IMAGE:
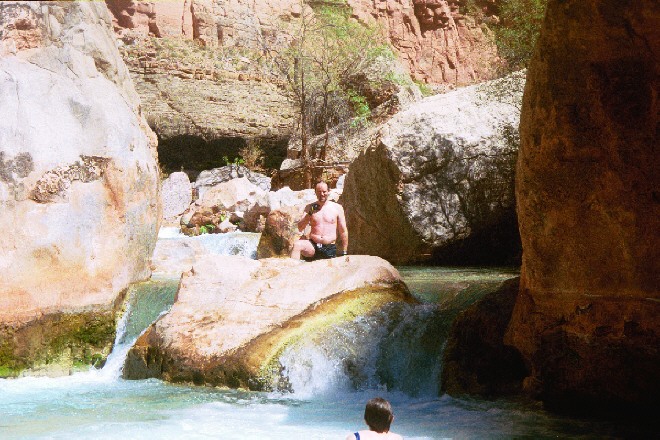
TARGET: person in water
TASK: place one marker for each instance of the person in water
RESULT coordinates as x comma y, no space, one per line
378,416
327,220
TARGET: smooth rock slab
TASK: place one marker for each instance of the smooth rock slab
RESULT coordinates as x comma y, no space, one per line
234,316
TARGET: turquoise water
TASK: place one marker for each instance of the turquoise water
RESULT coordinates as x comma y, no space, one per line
394,354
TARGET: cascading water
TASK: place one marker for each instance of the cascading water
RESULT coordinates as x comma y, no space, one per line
398,348
232,243
146,302
393,353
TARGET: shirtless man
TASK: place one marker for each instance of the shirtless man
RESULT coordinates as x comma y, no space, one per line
327,219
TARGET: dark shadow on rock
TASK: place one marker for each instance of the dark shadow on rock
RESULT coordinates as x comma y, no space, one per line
497,244
475,360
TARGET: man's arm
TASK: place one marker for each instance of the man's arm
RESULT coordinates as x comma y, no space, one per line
342,231
304,221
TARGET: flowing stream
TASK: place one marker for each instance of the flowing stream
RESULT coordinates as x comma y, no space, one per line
395,353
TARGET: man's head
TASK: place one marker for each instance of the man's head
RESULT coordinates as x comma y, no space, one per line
378,414
322,192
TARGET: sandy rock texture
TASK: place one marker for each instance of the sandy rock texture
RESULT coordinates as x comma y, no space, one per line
233,316
78,176
434,38
438,178
586,319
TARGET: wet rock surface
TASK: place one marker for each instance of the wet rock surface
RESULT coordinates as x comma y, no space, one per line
234,316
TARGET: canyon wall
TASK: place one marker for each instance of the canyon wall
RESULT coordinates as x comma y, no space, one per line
586,318
435,38
78,184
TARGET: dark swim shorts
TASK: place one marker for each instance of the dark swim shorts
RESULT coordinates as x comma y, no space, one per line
322,251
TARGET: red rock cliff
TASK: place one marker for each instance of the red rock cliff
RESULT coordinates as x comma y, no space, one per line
434,38
586,318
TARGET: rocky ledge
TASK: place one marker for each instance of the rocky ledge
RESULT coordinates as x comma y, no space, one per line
233,316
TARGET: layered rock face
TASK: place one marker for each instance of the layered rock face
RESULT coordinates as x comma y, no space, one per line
586,318
437,179
78,182
234,316
434,38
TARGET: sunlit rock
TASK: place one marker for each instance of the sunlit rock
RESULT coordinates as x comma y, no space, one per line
176,195
234,316
79,200
280,232
436,182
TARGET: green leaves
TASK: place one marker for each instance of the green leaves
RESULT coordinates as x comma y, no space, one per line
518,30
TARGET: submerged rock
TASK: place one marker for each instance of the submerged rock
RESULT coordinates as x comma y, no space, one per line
586,318
78,183
234,316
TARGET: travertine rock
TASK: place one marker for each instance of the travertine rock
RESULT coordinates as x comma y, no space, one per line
273,200
209,178
233,316
78,177
435,175
586,318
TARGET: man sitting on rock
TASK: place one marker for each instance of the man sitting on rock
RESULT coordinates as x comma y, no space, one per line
326,219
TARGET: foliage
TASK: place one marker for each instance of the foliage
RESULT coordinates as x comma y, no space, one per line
235,162
424,88
360,107
252,154
207,229
518,30
326,46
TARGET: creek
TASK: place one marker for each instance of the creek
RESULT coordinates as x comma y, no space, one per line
395,354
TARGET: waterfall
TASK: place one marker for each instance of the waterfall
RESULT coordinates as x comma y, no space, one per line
231,243
145,303
398,348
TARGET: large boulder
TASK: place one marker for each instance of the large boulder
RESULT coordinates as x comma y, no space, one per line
78,184
234,316
437,180
176,195
586,318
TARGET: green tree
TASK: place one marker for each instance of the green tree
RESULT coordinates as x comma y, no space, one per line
518,30
326,46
